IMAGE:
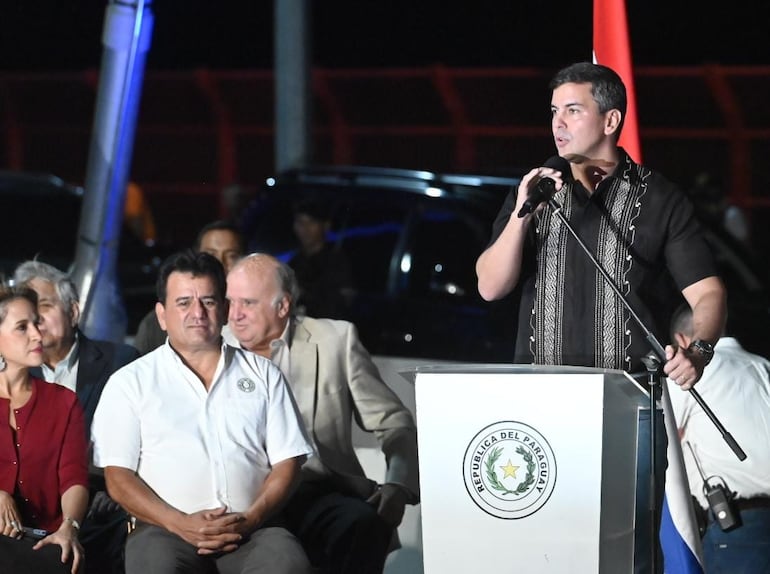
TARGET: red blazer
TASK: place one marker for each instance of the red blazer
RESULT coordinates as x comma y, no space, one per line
49,454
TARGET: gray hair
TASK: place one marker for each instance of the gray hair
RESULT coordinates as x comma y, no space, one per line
65,288
285,278
287,281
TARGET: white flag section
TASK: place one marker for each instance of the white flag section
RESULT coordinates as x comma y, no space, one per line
679,536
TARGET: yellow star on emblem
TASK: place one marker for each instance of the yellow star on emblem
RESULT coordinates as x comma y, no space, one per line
509,470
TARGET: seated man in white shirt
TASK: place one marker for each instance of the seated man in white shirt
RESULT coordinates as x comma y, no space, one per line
201,442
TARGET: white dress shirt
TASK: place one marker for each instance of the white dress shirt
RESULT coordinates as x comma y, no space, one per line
66,371
197,449
736,386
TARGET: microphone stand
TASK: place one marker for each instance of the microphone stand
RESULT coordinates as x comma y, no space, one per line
653,364
653,361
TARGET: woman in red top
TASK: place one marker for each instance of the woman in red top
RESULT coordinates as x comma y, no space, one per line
43,459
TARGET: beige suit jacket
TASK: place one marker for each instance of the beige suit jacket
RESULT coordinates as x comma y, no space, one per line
335,383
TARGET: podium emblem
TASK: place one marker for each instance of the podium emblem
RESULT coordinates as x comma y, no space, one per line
509,470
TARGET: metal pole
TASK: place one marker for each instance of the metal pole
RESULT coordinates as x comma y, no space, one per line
292,84
126,40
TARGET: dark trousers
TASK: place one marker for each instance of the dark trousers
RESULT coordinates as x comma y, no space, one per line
271,550
742,550
340,533
17,557
643,517
103,538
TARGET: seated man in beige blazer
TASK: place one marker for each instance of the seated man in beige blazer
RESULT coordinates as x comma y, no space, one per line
345,521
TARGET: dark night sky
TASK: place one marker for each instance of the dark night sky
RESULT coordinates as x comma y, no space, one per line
56,34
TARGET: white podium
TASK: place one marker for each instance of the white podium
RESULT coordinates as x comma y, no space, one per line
527,469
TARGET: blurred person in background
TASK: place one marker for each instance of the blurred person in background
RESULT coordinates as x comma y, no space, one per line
713,205
323,272
43,460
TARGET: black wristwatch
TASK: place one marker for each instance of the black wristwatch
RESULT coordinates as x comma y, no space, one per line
704,348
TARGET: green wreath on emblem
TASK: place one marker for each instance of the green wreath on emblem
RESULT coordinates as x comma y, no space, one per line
524,485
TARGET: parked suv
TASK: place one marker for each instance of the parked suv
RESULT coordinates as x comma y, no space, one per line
413,238
40,217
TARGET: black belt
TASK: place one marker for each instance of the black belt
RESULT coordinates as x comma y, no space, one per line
752,503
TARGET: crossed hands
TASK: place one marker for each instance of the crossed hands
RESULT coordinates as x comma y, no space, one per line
215,530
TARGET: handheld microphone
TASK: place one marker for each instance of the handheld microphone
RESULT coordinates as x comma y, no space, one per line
543,191
544,188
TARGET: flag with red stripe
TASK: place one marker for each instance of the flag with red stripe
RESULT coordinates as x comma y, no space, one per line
612,48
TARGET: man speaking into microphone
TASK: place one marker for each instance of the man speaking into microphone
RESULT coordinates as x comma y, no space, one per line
638,225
